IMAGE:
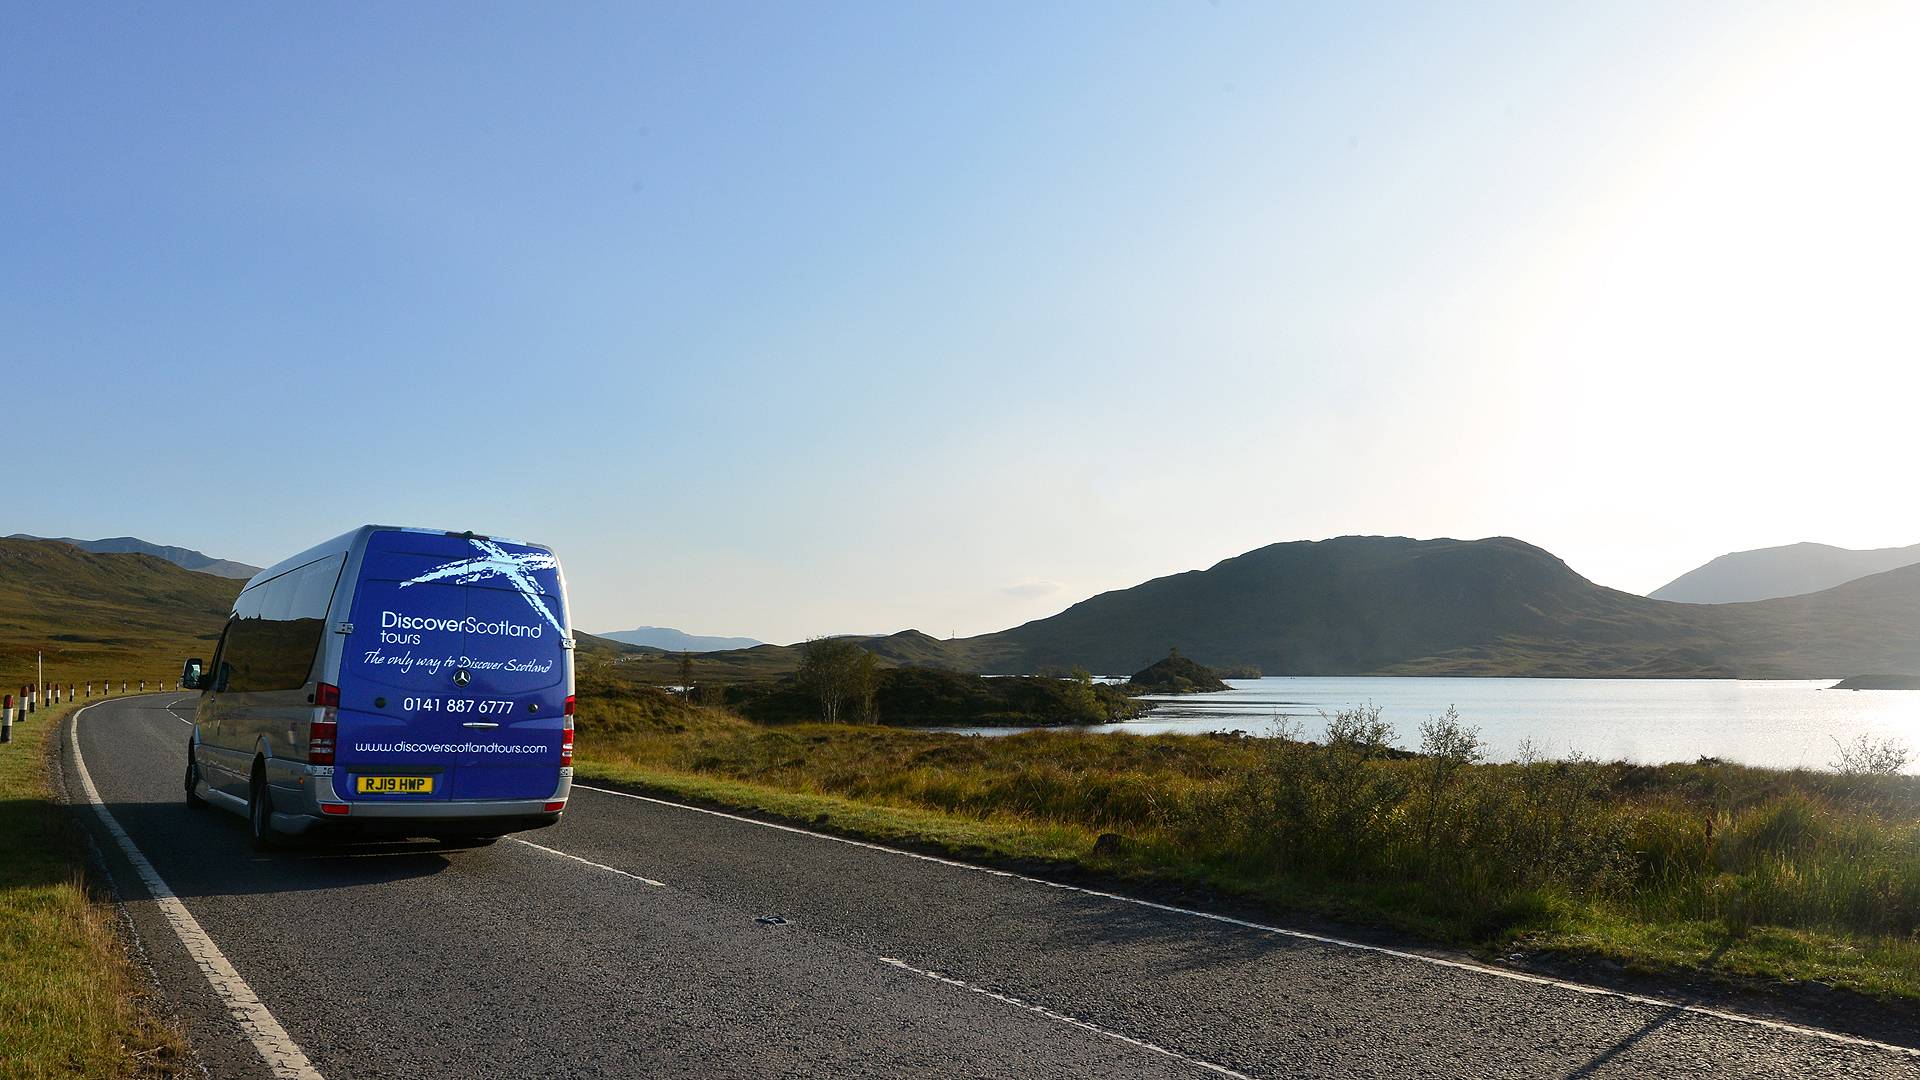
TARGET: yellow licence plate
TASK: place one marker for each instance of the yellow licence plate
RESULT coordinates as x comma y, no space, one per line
393,785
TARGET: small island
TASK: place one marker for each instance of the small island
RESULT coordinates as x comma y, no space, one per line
1878,682
1175,675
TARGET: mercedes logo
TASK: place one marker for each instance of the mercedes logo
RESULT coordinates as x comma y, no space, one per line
462,677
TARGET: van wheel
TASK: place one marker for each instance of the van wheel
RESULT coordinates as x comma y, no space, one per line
193,781
260,813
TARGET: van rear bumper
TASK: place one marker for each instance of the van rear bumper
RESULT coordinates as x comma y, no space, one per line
312,796
426,819
452,811
494,822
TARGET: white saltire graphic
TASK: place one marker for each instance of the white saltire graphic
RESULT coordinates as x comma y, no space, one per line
496,561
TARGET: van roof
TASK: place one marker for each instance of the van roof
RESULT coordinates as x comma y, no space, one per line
345,543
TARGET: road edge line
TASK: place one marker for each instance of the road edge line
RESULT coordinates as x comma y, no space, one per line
283,1056
1301,935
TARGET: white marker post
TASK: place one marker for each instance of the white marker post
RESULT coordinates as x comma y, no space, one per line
6,718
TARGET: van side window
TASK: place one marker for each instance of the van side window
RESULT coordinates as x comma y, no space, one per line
278,626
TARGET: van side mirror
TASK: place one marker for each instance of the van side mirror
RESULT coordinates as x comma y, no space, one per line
190,676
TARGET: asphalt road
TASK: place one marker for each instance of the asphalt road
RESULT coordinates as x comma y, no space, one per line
635,941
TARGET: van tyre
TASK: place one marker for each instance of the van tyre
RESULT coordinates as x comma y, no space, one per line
260,813
193,780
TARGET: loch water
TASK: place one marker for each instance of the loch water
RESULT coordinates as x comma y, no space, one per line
1775,723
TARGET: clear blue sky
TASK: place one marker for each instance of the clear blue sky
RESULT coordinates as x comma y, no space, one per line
783,320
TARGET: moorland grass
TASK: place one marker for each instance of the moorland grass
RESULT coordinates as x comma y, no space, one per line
70,1003
1762,874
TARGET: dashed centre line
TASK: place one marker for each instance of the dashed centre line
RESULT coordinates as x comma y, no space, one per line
1042,1010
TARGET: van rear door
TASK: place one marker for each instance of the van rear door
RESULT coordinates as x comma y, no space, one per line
454,681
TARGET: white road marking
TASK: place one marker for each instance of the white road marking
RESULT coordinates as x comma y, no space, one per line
283,1056
1042,1010
589,862
1301,935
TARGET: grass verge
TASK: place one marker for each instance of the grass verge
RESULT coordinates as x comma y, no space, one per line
71,1004
1760,879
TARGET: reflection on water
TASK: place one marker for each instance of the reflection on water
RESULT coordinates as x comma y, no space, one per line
1785,724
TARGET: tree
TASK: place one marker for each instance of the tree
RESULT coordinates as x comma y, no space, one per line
838,673
1082,701
1866,756
1446,747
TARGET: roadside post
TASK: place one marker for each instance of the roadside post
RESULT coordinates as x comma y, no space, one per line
123,686
26,694
143,686
53,695
6,718
89,688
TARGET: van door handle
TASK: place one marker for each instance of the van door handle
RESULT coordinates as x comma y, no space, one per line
480,724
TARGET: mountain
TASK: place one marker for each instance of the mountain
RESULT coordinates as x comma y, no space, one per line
665,637
186,558
1793,570
1391,605
121,616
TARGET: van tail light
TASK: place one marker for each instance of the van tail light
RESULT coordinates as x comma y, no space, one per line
323,732
567,709
320,737
566,741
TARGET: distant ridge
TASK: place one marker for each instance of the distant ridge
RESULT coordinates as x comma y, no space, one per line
1389,605
666,637
1791,570
185,558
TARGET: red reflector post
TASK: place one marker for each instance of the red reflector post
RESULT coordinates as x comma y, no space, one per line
556,807
339,809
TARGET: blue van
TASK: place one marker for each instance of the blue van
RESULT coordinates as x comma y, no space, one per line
400,681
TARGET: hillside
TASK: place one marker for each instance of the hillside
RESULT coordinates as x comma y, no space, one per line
666,637
1390,605
103,615
1793,570
185,558
908,648
1351,605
